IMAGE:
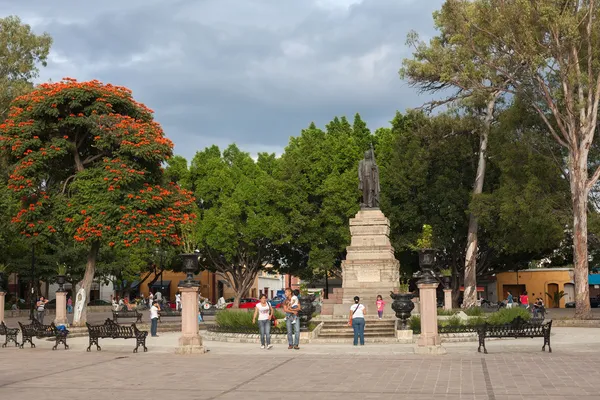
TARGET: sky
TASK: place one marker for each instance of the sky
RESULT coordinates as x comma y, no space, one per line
250,72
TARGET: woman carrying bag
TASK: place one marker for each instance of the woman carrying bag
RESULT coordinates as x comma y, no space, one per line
357,321
265,313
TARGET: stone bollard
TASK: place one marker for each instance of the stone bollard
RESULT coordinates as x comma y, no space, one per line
448,299
429,340
2,300
190,340
61,309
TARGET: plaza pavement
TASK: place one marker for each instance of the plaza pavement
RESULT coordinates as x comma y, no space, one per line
513,369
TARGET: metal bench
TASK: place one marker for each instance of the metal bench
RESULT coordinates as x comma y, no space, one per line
36,329
127,314
111,330
168,312
9,333
518,328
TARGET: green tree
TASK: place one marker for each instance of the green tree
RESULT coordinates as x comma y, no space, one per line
21,51
547,52
240,222
319,171
86,160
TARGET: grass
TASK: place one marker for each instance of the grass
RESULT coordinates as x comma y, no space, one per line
471,312
504,316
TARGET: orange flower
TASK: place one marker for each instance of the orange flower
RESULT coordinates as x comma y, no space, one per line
83,212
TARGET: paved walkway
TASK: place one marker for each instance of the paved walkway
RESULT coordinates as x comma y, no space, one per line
514,369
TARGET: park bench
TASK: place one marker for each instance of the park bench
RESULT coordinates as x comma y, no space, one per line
36,329
9,333
518,328
124,313
111,330
168,312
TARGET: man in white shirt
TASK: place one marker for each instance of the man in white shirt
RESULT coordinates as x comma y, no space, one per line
158,297
154,319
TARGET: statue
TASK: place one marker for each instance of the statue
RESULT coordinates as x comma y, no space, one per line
368,176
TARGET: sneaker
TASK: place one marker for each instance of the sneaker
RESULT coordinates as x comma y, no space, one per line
262,347
269,347
293,322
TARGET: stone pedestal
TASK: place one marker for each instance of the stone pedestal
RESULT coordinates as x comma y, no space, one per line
429,326
447,299
61,309
2,302
370,268
190,340
404,336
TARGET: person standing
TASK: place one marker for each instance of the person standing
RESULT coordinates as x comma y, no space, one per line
293,330
509,300
69,305
178,301
524,300
150,299
264,312
41,309
380,306
357,321
154,319
158,297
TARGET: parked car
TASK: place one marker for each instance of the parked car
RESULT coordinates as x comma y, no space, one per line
594,303
277,302
246,303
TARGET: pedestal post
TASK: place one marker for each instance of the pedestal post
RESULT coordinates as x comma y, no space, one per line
61,309
190,340
447,299
2,299
429,341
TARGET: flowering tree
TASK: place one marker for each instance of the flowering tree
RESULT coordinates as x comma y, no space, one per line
86,159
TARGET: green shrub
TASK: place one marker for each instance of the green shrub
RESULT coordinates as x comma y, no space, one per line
414,324
474,312
455,321
234,319
507,315
445,313
476,321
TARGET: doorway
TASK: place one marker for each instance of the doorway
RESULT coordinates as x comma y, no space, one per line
569,292
550,295
220,289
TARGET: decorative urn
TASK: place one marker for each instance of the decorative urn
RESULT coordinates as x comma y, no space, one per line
61,279
306,311
190,265
402,306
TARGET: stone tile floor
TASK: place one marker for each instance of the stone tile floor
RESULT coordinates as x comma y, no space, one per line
514,369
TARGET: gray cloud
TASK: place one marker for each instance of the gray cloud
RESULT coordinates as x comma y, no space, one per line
254,72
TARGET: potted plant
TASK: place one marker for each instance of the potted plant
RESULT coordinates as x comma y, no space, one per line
403,304
61,273
446,274
3,272
426,255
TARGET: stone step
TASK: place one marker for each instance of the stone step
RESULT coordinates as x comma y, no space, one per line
324,335
346,340
349,329
374,322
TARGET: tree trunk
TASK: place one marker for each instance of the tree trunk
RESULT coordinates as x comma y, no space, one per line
83,294
579,196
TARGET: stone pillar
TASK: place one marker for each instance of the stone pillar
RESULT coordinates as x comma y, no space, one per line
2,299
429,341
447,299
61,309
190,340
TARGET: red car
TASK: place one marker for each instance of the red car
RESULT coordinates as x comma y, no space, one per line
246,303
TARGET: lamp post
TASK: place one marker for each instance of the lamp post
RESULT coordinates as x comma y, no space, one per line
32,300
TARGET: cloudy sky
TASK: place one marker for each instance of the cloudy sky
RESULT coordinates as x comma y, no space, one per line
253,72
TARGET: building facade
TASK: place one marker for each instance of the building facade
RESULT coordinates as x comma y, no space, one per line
538,282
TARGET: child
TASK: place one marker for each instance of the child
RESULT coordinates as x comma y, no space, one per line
293,305
380,305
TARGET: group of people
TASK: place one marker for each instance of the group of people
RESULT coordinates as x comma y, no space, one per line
538,304
264,314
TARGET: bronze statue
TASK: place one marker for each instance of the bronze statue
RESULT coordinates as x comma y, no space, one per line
368,176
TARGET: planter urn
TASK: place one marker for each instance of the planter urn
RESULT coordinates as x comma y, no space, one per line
402,306
306,312
60,279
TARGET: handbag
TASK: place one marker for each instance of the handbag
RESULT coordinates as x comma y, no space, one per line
353,312
273,319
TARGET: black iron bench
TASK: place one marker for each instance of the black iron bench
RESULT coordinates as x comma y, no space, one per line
127,314
168,312
36,329
518,328
9,333
111,330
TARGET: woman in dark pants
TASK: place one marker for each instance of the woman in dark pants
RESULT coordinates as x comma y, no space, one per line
357,321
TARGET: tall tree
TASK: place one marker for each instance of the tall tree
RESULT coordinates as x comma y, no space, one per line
240,222
86,160
443,65
547,51
21,51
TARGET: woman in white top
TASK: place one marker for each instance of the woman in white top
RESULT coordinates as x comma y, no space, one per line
264,312
357,321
